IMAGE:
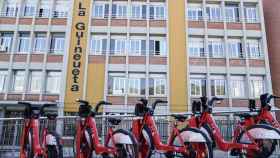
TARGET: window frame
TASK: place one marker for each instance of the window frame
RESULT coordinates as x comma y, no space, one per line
3,80
4,41
32,76
218,82
98,40
55,82
212,16
254,49
195,9
162,47
234,10
257,86
156,15
198,45
23,43
54,43
251,14
40,43
216,44
162,80
18,78
120,45
237,45
117,88
240,82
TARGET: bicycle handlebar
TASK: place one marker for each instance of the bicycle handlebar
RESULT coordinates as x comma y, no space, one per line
158,101
46,106
211,102
84,102
100,104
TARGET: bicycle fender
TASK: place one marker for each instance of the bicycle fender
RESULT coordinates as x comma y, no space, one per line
192,135
260,131
122,137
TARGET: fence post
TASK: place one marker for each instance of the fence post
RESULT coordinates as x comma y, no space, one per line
15,139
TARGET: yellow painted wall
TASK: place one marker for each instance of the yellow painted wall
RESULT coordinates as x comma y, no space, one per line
80,7
178,96
95,82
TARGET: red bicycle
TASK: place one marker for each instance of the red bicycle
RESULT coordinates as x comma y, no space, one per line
247,141
263,125
118,143
30,146
188,142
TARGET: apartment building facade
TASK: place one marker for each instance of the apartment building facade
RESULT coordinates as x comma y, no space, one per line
122,50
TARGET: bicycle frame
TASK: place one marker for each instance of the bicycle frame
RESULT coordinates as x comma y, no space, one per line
36,147
89,122
266,115
207,118
148,121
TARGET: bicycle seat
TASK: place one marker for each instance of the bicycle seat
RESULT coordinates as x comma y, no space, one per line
178,117
114,121
51,116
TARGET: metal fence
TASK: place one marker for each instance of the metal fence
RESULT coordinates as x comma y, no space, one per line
11,129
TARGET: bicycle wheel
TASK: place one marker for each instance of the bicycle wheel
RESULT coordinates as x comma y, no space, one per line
197,148
266,146
54,146
86,145
125,144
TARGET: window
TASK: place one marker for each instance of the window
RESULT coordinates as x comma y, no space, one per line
53,82
10,8
18,81
40,42
98,45
237,86
214,13
198,85
216,48
119,11
3,80
138,11
157,85
6,42
235,48
157,12
23,42
117,84
136,84
251,14
137,47
29,8
117,45
232,13
44,8
57,43
100,10
61,9
35,81
256,86
196,47
218,86
194,12
157,47
253,49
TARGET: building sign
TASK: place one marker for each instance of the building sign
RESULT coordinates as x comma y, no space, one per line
77,53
